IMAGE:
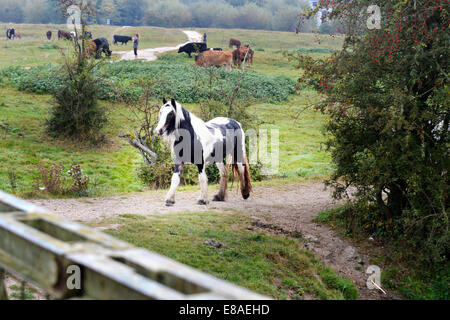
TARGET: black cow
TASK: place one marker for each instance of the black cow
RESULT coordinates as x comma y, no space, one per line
10,34
49,35
193,47
122,39
102,46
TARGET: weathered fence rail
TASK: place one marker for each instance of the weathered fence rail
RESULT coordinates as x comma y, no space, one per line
42,248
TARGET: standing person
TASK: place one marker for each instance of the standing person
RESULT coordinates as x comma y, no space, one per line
135,46
204,38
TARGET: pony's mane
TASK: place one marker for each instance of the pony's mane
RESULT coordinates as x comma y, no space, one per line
181,114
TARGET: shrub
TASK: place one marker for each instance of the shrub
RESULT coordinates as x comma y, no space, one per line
76,113
158,176
52,180
185,82
386,94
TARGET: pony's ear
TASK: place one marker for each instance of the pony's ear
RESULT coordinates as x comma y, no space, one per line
174,104
164,101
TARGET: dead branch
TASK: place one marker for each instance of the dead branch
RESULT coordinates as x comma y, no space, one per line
139,143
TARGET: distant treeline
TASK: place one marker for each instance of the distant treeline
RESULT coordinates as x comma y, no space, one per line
245,14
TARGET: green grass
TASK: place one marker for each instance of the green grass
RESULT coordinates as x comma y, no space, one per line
403,270
112,166
25,145
277,266
34,48
183,81
302,153
28,292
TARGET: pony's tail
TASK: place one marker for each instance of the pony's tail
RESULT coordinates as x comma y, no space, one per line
245,179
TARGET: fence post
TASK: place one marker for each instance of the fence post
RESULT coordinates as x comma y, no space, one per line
3,293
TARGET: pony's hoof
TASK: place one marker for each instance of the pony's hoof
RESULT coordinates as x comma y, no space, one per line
169,203
202,203
246,196
217,198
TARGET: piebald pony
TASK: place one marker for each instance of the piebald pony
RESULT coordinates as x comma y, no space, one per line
192,140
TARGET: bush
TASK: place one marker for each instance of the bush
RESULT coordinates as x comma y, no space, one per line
52,180
77,114
185,82
386,94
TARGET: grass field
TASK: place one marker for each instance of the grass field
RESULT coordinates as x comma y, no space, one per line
22,116
34,48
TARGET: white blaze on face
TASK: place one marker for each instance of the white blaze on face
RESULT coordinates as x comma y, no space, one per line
165,110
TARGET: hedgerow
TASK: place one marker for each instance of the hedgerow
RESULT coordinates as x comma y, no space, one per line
185,82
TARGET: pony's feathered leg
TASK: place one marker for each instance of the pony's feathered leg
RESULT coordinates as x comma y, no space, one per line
203,180
176,177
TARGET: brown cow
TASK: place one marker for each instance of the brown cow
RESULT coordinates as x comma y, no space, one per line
234,42
91,49
64,35
215,58
241,54
17,34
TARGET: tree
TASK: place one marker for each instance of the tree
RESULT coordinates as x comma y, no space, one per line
76,114
130,12
386,93
11,11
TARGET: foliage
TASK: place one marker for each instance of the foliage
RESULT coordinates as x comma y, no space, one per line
403,268
186,83
52,180
386,94
249,14
76,114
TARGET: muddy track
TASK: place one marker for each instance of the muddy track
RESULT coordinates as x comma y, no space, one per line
150,54
286,209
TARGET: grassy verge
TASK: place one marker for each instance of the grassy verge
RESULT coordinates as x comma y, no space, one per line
277,266
403,270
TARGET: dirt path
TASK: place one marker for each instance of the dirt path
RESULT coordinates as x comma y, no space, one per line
283,209
150,54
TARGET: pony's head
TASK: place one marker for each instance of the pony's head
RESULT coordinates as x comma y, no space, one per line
170,116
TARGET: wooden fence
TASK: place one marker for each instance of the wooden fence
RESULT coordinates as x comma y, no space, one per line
71,261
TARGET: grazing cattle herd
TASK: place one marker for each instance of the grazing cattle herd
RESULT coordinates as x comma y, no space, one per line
206,57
